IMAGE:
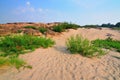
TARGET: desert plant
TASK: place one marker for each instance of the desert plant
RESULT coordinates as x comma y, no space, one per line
13,61
58,28
61,27
108,43
78,44
42,30
17,44
32,27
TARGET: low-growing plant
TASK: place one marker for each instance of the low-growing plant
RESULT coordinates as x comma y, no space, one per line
32,27
78,44
13,61
58,28
108,43
42,30
61,27
17,44
19,31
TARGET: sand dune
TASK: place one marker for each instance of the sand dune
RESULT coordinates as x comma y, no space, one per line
56,63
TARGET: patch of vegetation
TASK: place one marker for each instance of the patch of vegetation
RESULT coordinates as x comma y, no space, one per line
61,27
13,61
12,46
42,30
108,43
17,44
32,27
116,28
91,26
19,31
80,45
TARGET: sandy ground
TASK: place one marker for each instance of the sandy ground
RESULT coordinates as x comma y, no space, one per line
56,63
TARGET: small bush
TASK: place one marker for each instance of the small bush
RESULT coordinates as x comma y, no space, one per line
32,27
61,27
3,61
77,44
13,61
58,28
108,43
42,30
15,45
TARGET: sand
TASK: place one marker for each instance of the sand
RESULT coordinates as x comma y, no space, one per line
56,63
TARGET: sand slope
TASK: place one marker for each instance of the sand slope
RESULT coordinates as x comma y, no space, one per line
57,64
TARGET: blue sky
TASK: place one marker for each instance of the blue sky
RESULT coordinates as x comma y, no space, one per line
77,11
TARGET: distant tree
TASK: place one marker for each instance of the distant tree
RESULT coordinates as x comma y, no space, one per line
107,25
117,24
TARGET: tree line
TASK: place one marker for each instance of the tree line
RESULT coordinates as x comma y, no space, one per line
109,25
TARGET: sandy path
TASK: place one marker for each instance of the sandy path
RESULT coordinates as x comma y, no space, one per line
57,64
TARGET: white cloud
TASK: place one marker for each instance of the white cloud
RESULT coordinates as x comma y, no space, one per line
28,3
40,9
28,8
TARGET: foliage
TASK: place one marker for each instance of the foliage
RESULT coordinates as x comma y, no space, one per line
117,24
19,31
91,26
32,27
12,46
42,30
108,43
13,61
78,44
17,44
61,27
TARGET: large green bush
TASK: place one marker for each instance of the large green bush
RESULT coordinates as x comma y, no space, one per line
15,45
12,46
78,44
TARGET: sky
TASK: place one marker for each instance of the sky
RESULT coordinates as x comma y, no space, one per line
81,12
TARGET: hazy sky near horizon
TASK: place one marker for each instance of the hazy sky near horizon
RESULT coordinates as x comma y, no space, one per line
77,11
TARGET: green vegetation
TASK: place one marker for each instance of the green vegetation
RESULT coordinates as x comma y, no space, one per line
116,28
42,30
15,45
12,46
61,27
13,61
108,43
77,44
32,27
90,26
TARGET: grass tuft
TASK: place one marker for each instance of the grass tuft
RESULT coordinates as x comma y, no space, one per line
108,43
42,30
78,44
61,27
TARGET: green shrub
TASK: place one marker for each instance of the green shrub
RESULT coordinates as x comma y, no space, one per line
32,27
78,44
13,61
61,27
15,45
67,25
108,43
42,30
19,31
58,28
3,61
